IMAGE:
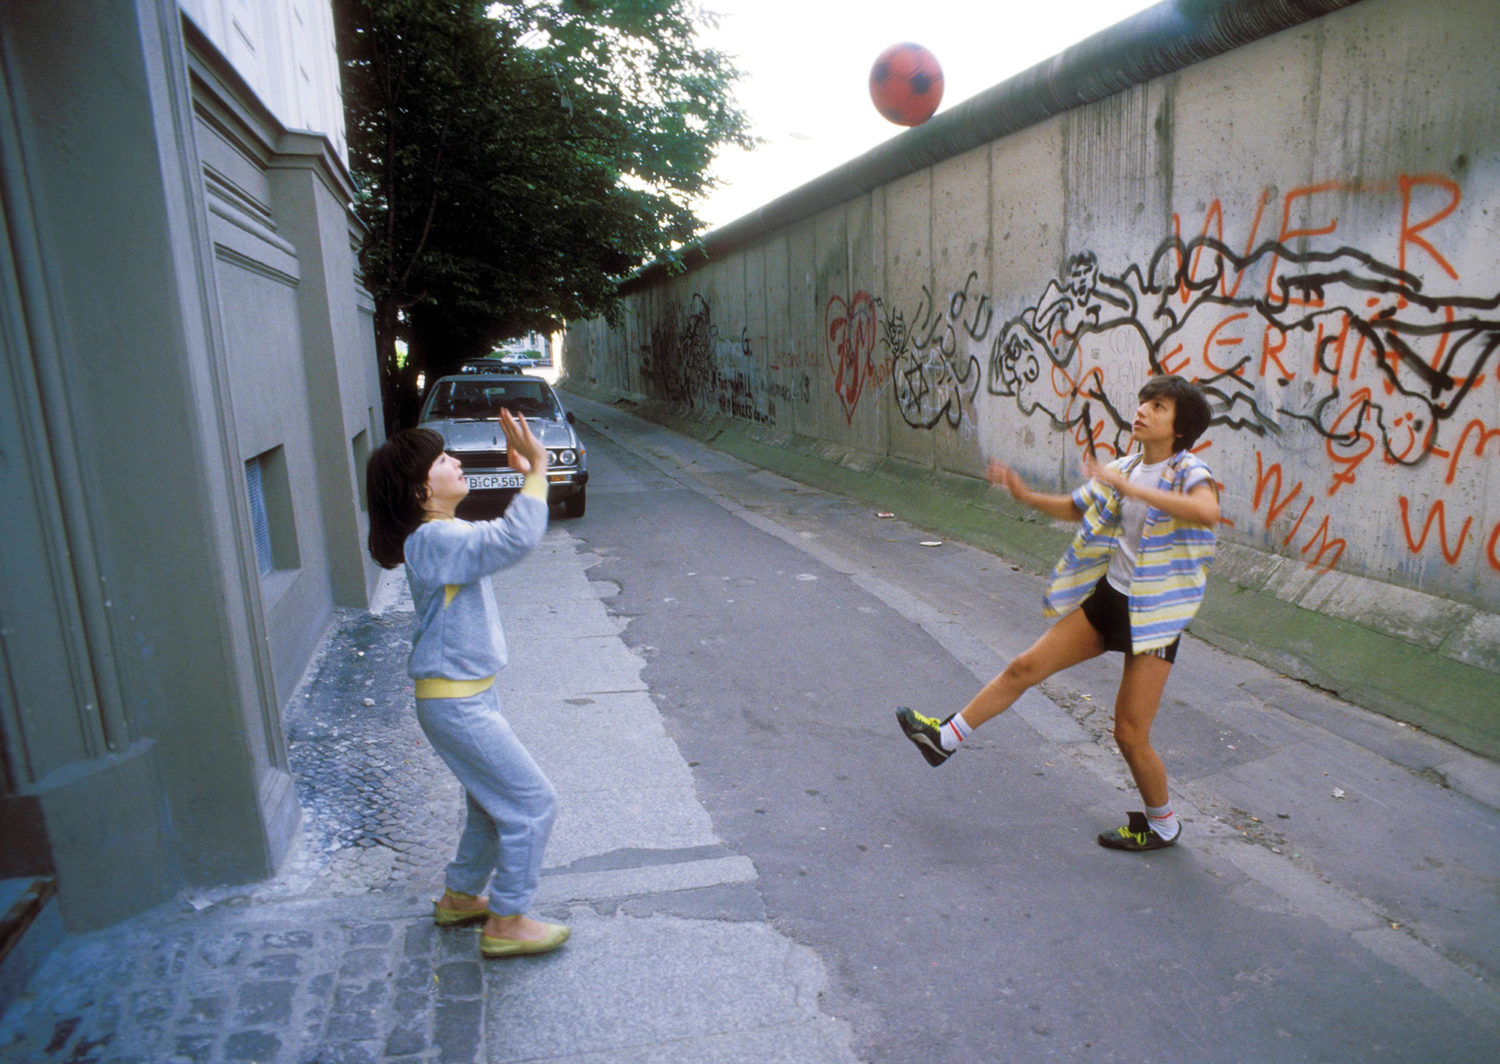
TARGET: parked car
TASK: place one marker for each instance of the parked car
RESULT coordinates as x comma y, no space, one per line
494,365
465,410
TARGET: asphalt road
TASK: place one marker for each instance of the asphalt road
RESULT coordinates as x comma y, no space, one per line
1334,899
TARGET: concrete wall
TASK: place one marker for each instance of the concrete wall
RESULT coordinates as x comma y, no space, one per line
178,295
1308,223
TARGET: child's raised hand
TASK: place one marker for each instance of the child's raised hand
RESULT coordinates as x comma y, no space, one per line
523,450
1003,476
1091,469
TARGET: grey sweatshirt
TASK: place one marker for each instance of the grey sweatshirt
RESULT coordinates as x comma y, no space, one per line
448,565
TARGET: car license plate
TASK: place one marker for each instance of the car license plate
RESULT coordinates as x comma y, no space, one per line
487,481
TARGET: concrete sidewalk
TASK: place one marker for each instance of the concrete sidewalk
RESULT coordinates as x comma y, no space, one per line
337,961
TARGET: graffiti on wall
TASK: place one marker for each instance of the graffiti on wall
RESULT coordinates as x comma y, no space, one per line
686,360
1333,356
1388,364
849,331
870,344
678,358
936,374
1335,340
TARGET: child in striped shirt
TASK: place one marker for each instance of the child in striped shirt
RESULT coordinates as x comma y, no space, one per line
1136,570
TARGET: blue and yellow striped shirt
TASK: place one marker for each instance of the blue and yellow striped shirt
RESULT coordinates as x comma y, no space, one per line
1171,563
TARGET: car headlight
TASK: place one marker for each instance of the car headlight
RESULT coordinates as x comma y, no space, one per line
565,457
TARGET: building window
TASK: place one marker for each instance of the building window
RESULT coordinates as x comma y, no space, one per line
361,448
271,518
259,526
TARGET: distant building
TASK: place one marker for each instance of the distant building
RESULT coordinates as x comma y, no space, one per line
189,394
538,345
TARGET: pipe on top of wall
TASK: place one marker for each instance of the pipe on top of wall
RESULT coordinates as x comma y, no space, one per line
1157,41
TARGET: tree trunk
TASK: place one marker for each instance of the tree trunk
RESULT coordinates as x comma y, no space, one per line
385,355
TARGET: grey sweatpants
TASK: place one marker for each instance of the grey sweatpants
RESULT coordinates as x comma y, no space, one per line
511,804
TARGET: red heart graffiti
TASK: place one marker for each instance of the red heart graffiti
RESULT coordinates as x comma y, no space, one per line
849,336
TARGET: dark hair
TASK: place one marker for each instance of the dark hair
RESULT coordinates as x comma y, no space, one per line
396,488
1191,412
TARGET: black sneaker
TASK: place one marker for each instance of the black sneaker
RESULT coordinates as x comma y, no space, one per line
1138,836
926,732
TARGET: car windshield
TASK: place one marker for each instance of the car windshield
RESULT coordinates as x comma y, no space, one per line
454,400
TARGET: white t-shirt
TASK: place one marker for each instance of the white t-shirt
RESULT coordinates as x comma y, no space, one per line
1132,524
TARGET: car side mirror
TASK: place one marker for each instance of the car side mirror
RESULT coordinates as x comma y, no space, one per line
571,419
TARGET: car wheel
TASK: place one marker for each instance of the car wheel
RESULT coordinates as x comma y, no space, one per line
574,505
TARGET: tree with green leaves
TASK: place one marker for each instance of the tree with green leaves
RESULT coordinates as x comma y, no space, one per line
515,160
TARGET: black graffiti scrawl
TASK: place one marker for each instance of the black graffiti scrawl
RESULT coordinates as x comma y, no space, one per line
687,360
1389,364
933,378
678,361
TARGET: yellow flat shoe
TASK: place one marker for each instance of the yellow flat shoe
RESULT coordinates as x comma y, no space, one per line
557,934
457,917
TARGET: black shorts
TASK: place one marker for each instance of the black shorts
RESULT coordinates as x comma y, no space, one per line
1109,612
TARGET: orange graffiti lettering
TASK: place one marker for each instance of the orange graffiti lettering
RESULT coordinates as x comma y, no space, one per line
1213,341
1098,447
1321,539
1485,436
1263,477
1335,545
1438,515
1213,219
1268,352
1409,231
1300,518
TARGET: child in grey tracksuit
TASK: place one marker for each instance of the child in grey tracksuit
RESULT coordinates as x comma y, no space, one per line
457,648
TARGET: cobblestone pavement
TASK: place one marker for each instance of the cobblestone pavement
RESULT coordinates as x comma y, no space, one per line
380,808
332,960
236,984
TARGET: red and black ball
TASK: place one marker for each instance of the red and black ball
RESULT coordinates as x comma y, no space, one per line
906,84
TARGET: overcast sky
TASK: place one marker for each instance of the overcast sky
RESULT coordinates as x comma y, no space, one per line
807,70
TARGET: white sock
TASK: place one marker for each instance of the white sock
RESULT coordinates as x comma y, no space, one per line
954,731
1163,821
